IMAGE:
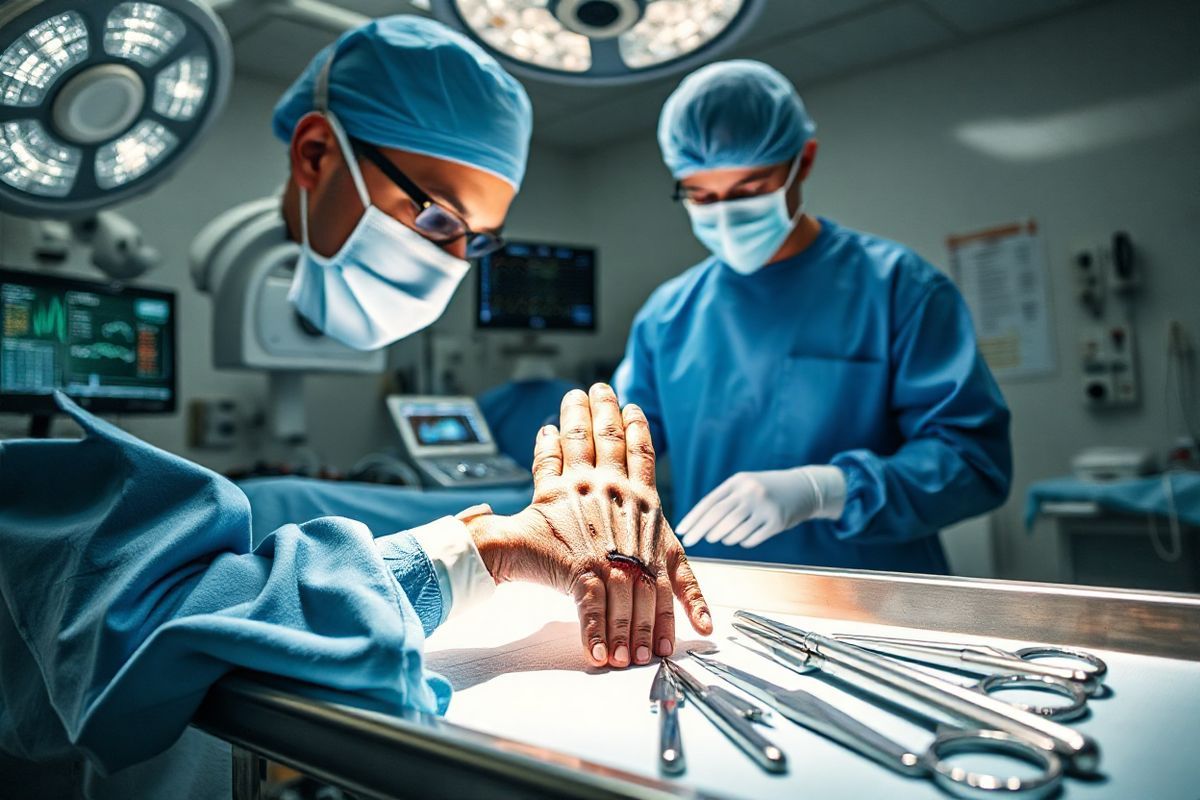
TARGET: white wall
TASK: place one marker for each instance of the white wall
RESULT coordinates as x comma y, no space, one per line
890,163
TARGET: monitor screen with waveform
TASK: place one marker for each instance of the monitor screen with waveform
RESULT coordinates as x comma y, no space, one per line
111,348
528,286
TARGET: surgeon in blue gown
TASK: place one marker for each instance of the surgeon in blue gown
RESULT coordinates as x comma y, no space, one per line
817,389
131,580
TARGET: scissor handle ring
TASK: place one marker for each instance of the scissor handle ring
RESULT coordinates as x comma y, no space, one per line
1073,691
964,783
1090,663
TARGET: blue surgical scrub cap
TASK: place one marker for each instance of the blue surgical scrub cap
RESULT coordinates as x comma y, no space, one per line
732,114
413,84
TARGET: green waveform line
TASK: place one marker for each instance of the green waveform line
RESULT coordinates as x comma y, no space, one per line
102,350
51,319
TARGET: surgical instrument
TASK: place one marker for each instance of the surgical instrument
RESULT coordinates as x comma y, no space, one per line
729,719
818,715
1001,669
751,711
985,659
906,685
665,693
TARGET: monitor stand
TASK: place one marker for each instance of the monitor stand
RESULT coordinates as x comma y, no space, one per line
535,360
39,425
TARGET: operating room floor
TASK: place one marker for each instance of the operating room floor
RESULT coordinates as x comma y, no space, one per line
522,676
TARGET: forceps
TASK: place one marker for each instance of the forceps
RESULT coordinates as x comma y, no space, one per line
1004,669
815,714
731,717
666,696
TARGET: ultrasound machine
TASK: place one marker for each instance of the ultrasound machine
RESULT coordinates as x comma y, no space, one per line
449,443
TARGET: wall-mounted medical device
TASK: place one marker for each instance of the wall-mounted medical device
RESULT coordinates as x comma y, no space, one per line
1105,273
101,100
599,42
111,348
1109,360
245,260
449,442
1106,269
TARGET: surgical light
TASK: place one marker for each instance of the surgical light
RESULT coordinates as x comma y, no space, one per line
600,41
100,99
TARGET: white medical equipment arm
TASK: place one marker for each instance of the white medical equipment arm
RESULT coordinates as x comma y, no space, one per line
244,260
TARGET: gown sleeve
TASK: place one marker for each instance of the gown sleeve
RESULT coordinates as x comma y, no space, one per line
956,460
128,576
634,381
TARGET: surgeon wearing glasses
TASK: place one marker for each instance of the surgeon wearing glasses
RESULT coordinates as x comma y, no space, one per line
818,389
128,582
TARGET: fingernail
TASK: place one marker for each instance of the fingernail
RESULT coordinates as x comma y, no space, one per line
621,654
705,619
599,653
546,430
643,654
664,647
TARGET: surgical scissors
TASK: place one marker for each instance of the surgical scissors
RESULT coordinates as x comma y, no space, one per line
813,713
940,699
1003,669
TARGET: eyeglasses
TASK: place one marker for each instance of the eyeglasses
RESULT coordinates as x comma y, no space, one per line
435,222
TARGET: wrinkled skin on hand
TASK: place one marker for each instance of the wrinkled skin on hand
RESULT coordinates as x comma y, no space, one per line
594,494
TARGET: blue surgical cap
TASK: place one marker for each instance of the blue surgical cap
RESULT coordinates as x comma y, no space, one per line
413,84
732,114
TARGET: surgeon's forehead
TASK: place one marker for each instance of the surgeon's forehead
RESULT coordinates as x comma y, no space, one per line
727,178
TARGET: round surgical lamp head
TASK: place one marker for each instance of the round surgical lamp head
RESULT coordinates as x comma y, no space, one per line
100,100
600,42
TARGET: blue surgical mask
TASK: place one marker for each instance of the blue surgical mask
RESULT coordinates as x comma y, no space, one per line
746,232
385,283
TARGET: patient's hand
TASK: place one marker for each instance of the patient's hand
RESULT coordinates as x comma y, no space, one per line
595,531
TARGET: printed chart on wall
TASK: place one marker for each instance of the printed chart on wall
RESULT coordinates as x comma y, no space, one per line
1001,273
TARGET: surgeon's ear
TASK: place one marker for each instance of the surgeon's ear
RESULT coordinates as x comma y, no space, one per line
311,150
808,157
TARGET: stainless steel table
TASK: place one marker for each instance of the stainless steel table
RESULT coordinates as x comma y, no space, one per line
383,756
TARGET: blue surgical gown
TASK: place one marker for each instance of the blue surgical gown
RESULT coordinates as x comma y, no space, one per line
856,353
128,585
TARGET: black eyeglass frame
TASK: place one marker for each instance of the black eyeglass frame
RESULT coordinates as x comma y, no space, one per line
478,244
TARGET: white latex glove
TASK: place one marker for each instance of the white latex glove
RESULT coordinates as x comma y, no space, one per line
751,507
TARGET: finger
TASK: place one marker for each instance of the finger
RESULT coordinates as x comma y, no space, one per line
591,600
547,454
608,428
710,520
576,423
687,589
759,537
644,603
639,449
743,531
664,616
727,524
700,509
619,585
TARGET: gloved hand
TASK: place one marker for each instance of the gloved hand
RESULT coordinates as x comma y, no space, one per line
595,497
751,507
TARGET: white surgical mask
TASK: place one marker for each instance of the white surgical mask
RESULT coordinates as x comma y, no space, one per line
746,232
385,283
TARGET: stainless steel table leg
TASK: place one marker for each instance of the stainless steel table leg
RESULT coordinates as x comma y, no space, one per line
248,769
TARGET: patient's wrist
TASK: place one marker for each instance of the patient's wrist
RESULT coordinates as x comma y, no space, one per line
501,540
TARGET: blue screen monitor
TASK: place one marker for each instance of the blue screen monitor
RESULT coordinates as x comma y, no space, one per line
111,348
534,287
